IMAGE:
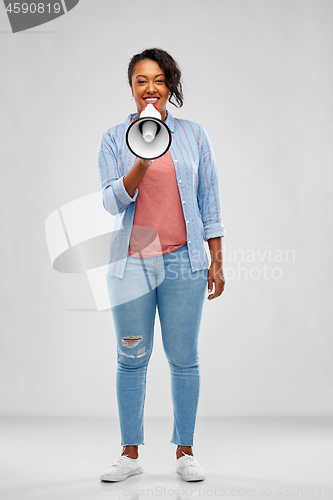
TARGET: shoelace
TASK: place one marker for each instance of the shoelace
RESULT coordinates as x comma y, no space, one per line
189,459
119,460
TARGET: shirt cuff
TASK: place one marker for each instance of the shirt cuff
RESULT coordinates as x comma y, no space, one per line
121,194
214,230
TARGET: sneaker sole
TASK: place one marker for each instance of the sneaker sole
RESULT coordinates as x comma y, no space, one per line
192,478
107,478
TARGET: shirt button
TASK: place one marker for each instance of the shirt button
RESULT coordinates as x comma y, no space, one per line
180,181
189,241
183,201
187,222
176,161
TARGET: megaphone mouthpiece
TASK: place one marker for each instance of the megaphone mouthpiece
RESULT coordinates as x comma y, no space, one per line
151,111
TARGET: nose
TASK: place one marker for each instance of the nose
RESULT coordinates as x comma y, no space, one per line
151,87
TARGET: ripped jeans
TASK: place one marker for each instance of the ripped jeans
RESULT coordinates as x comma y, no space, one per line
167,282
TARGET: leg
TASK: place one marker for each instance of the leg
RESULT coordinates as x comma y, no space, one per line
134,326
180,299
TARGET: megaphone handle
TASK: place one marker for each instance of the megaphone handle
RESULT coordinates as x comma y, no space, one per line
143,160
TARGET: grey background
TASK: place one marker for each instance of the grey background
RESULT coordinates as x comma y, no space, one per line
258,76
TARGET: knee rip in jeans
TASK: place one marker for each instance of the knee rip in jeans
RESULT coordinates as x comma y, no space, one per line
132,341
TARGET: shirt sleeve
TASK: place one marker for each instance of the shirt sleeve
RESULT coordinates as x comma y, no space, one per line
208,195
114,195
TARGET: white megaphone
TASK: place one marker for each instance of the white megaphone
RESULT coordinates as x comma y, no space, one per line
148,137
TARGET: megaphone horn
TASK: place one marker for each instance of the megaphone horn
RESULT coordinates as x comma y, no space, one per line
149,137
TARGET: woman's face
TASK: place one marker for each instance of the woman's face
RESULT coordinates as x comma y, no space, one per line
148,86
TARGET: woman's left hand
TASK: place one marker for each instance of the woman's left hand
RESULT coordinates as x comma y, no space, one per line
215,275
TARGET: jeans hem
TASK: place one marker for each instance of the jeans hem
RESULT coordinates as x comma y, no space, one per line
179,444
136,444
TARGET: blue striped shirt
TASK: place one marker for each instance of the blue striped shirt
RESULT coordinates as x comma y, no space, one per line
197,181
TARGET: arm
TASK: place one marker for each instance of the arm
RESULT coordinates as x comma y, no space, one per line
117,192
209,205
208,194
133,178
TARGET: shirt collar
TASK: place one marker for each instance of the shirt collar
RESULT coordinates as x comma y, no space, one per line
170,121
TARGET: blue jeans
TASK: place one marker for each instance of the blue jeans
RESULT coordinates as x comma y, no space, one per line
167,282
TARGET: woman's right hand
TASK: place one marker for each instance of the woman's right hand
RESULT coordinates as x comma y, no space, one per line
146,163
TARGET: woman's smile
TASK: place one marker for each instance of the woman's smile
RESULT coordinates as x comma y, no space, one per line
151,100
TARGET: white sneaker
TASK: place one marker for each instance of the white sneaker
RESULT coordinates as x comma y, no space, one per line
122,468
189,468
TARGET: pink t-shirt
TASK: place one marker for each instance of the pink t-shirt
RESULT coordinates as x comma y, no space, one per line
158,225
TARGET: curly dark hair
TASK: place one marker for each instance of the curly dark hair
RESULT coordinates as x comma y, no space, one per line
169,67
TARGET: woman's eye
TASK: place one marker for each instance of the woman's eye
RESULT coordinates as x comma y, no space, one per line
160,81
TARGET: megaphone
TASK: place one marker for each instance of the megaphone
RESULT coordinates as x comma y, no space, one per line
149,137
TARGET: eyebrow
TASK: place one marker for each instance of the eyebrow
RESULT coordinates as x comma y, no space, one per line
143,76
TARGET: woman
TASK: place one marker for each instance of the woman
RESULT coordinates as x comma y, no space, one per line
165,209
